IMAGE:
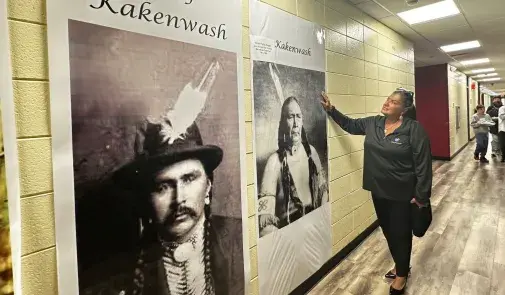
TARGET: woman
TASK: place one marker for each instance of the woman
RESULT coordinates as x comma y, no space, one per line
397,170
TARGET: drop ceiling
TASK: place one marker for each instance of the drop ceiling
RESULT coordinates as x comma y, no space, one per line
482,20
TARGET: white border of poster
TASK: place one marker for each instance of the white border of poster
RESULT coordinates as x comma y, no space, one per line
10,148
282,39
225,12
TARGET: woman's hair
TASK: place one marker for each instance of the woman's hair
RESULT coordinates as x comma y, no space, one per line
479,107
408,103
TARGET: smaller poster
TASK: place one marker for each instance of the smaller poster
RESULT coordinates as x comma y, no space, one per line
288,76
10,222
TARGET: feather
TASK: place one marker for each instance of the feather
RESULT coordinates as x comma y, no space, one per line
188,106
277,82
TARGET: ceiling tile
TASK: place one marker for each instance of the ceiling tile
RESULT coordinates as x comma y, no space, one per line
454,35
403,29
476,10
396,6
359,1
444,24
485,24
374,10
468,54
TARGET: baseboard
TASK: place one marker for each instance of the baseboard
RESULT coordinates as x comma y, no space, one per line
440,158
453,156
312,281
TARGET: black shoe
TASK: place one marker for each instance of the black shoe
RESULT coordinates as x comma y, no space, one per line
476,156
393,291
484,160
503,160
493,155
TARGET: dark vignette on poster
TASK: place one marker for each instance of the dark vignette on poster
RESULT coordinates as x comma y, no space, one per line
291,143
155,134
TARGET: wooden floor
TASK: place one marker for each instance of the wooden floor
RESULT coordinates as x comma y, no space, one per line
464,250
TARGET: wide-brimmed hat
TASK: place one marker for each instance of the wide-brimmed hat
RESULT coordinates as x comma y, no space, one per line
154,151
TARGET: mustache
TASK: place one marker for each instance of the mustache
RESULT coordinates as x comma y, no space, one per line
178,210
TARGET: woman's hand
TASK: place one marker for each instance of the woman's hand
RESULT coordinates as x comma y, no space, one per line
414,201
325,101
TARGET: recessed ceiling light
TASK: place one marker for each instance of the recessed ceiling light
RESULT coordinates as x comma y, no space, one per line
490,79
475,61
430,12
482,70
486,75
460,46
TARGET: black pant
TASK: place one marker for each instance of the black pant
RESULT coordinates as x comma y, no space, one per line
501,136
395,221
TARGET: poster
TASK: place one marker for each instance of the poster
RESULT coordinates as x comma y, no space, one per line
10,211
288,76
146,106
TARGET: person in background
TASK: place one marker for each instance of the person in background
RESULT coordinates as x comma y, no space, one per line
397,170
501,131
481,123
492,111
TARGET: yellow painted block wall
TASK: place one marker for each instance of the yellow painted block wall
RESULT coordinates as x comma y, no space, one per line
457,88
365,62
474,101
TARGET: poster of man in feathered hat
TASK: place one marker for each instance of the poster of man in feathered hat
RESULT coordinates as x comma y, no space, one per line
156,159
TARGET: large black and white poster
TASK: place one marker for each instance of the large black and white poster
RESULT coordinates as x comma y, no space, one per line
146,115
288,76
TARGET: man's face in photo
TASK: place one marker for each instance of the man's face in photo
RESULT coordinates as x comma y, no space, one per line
178,197
294,121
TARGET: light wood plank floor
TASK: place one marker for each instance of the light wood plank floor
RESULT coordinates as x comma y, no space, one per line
462,253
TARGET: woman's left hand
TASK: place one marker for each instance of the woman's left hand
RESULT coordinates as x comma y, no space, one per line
414,201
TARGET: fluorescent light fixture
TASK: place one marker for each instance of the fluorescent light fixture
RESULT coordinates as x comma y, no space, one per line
486,75
430,12
482,71
490,79
460,46
475,61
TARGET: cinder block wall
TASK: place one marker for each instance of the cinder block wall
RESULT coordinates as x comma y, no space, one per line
457,95
365,62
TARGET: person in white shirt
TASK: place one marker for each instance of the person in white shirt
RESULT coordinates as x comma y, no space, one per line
501,131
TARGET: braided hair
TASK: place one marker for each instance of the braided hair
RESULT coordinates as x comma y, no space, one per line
149,237
408,103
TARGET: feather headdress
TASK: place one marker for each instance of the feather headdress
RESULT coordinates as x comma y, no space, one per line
188,106
274,72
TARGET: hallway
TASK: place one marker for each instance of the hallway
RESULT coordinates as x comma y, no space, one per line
462,253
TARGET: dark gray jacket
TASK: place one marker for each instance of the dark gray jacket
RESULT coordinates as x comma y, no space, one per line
397,166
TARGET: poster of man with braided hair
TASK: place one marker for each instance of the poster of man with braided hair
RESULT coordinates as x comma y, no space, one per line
291,153
148,154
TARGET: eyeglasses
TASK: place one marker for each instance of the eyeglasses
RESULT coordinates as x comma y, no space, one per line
405,90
